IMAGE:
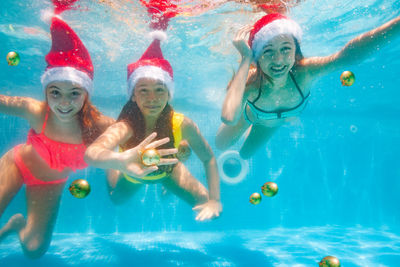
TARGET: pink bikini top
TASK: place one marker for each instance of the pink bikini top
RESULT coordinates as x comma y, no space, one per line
58,155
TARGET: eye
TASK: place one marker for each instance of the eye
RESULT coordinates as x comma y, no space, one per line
160,90
286,49
267,51
142,91
76,94
54,93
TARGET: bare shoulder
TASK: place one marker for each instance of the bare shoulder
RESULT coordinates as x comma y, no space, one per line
306,71
35,112
189,128
188,123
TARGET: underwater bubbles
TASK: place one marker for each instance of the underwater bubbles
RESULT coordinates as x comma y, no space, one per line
353,128
232,168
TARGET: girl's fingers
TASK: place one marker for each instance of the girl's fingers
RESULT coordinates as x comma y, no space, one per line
244,30
166,152
168,161
157,143
148,139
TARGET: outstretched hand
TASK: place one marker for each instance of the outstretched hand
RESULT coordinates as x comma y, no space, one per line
132,162
240,41
209,210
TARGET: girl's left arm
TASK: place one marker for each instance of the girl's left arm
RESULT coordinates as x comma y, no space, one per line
200,146
354,51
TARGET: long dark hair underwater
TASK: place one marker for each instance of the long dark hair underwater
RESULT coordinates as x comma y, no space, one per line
132,115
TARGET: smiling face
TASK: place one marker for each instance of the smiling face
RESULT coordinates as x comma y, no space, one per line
65,99
278,56
151,96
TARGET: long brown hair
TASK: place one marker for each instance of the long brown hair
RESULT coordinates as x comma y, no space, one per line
89,116
133,116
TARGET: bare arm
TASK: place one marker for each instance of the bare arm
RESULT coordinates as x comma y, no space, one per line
354,51
24,107
101,152
236,95
192,134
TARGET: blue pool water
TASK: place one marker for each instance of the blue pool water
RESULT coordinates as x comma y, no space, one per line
336,167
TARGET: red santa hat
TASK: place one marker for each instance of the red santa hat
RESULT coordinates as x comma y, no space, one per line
160,11
151,65
68,59
268,27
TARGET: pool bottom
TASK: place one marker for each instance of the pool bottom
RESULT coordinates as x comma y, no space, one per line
298,247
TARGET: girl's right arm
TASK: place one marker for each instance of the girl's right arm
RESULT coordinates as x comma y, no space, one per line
235,96
24,107
101,152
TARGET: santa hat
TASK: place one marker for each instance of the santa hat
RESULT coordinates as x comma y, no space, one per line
268,27
68,59
160,11
151,65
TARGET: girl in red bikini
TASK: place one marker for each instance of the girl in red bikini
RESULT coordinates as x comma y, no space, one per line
61,128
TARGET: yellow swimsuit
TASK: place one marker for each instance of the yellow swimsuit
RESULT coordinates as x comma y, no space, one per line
177,120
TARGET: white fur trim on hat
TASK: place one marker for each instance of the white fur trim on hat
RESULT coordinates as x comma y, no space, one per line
269,31
158,35
151,72
47,14
61,74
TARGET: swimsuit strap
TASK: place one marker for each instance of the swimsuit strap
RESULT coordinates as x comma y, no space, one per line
295,83
45,119
259,92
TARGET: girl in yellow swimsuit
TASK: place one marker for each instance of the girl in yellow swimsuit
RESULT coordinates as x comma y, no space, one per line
150,87
273,81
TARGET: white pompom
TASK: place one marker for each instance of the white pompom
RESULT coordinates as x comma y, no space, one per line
47,14
158,35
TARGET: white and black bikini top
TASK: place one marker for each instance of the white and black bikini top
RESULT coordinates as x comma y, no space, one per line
277,113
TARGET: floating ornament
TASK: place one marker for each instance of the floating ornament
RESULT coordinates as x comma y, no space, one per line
255,198
79,188
13,58
269,189
329,261
347,78
150,157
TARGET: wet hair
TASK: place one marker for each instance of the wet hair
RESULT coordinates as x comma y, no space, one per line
132,115
89,116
